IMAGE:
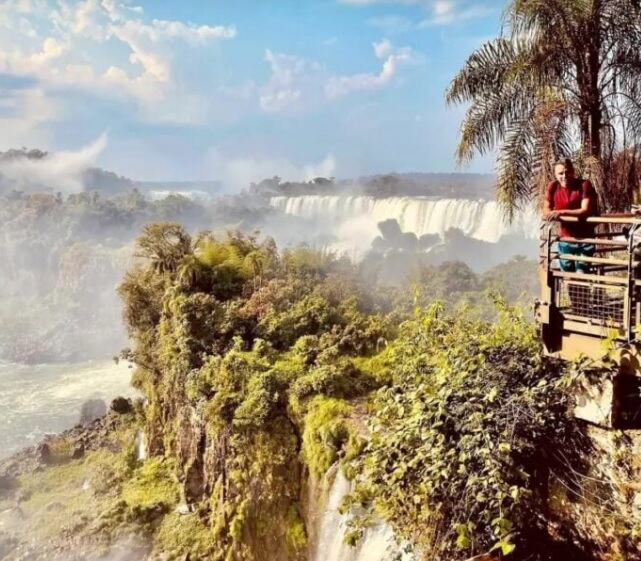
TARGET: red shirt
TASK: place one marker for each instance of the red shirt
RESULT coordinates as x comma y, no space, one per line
569,198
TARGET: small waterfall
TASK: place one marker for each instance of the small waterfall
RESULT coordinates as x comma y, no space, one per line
477,219
140,444
377,543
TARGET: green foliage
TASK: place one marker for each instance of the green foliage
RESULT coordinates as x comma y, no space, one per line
276,361
329,433
296,535
306,261
141,291
152,484
80,496
340,379
179,536
229,264
164,244
448,280
262,349
516,280
458,438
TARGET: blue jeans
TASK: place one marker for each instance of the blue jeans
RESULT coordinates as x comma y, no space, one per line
574,248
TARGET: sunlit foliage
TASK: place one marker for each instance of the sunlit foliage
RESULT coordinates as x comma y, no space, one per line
463,439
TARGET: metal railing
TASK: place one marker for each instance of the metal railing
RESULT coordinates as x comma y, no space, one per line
604,300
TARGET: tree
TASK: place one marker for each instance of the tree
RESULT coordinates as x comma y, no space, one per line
165,244
562,79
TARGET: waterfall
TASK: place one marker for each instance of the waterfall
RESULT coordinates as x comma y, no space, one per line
377,543
140,444
477,219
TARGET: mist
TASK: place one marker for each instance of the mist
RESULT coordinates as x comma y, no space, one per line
68,231
60,172
238,173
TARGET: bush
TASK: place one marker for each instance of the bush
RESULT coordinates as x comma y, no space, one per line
460,439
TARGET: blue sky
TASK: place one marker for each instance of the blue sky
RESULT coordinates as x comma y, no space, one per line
238,91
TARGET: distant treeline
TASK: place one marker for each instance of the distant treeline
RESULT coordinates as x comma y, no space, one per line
451,185
445,185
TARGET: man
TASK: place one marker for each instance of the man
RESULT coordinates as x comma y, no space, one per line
568,195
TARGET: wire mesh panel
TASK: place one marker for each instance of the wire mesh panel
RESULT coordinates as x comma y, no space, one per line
591,301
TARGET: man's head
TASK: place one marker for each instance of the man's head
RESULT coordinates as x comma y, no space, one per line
564,171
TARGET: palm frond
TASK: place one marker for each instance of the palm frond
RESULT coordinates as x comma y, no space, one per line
489,119
514,164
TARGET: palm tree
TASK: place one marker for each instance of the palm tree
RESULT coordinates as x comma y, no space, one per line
562,79
164,244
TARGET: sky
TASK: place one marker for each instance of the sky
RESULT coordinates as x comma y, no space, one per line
238,91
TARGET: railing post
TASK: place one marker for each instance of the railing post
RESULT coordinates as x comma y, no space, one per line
548,265
631,284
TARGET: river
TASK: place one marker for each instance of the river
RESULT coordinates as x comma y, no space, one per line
46,398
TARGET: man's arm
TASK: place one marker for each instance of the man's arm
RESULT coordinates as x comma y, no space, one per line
548,212
583,212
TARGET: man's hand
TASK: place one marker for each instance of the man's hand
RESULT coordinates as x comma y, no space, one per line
553,215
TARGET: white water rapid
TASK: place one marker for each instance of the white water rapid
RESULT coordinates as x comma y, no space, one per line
47,398
377,544
477,219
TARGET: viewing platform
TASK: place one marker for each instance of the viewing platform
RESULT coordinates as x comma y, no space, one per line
596,313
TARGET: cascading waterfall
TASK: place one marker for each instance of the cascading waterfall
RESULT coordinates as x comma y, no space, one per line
377,543
140,444
477,219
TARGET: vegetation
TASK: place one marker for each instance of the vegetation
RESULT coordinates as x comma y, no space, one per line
463,439
64,254
62,258
262,371
561,80
457,185
260,367
81,497
259,351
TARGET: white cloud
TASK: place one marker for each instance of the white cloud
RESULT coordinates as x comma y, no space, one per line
86,20
145,73
443,8
393,58
24,114
63,170
26,28
161,30
293,80
51,50
445,12
297,83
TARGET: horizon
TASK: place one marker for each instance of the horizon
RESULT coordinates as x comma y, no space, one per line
382,174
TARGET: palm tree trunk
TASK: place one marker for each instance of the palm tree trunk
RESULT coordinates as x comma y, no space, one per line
594,66
596,122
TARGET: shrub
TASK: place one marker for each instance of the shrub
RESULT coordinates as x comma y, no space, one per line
461,437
